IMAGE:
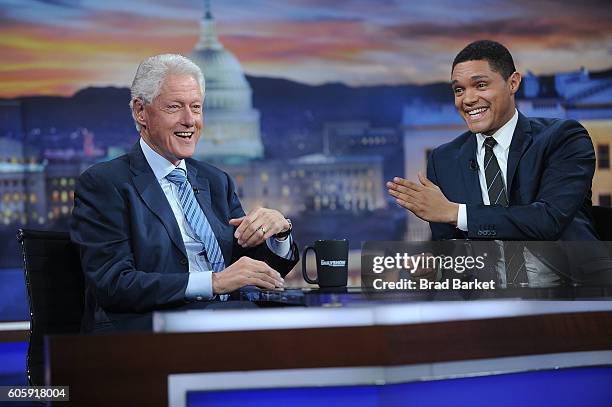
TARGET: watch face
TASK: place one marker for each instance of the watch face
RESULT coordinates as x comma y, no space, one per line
286,232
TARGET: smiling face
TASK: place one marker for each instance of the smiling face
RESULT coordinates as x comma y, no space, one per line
172,123
483,97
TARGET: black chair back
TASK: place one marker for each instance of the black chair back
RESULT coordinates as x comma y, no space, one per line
602,217
56,294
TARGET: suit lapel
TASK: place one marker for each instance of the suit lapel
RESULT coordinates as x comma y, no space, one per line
467,155
204,197
152,195
520,141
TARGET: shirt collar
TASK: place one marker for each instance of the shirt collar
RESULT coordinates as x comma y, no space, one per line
160,166
503,135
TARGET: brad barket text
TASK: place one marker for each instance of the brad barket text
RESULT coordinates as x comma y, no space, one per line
451,284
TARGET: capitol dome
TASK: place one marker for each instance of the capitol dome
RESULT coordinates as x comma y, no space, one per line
231,125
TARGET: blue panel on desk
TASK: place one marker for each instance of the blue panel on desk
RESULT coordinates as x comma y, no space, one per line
564,387
294,397
13,296
13,363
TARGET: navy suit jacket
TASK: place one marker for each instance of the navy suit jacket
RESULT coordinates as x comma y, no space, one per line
550,169
132,252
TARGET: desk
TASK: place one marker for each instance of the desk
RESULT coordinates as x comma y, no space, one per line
133,369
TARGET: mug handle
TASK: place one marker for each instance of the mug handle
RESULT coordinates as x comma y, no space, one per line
304,274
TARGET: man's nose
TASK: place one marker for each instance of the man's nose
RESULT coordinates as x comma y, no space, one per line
470,97
188,118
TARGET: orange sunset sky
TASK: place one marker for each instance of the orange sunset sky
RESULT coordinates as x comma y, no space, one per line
56,47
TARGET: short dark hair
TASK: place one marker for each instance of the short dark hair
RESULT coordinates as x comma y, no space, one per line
496,54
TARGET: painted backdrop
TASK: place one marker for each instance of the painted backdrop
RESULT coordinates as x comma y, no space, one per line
311,105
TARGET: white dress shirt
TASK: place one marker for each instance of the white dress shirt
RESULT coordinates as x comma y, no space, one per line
199,286
538,273
503,136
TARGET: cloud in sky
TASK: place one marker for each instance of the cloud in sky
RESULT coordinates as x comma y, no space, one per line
59,46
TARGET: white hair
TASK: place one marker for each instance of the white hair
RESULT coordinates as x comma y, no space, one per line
151,73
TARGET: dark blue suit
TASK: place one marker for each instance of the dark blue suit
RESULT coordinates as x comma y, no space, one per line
132,251
550,169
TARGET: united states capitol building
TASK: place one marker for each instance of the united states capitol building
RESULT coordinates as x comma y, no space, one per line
231,124
38,189
231,139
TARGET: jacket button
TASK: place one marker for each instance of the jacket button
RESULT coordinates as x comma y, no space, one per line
183,261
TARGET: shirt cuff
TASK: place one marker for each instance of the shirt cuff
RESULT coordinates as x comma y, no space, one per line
199,286
282,248
462,218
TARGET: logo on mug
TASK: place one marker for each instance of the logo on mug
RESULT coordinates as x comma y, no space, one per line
333,263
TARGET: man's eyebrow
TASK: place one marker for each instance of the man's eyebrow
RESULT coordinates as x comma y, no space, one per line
479,77
474,78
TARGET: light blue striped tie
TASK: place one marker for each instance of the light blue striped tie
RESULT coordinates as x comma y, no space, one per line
196,218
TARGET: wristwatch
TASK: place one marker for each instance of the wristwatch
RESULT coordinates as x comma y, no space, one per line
283,235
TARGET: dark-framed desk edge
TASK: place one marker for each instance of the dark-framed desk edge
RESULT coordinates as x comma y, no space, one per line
123,369
14,331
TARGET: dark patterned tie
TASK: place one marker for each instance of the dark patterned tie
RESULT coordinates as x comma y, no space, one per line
516,273
493,175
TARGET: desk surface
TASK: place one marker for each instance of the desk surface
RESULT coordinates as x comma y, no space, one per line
122,369
354,306
361,314
351,295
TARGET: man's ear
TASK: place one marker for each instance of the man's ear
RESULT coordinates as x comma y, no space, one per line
514,81
138,107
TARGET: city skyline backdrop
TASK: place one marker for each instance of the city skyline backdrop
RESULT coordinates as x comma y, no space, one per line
323,152
56,47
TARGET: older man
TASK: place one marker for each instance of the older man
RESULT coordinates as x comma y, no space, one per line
158,229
